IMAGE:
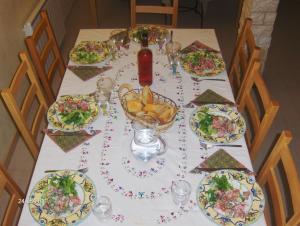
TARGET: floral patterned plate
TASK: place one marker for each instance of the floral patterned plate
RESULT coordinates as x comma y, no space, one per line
154,33
73,113
46,216
217,123
230,198
90,52
202,63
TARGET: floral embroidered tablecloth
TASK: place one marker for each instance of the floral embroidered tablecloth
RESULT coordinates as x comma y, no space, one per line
140,192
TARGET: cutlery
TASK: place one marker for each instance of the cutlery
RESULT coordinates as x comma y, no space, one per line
83,170
208,79
207,146
225,168
53,132
192,105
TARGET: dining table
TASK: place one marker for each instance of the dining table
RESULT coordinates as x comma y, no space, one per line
140,192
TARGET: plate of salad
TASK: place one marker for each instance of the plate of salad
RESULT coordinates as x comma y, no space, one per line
73,113
155,33
202,63
217,123
90,52
230,198
62,198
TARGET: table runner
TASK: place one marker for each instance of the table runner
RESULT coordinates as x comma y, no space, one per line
140,192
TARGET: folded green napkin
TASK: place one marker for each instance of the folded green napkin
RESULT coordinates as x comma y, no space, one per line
210,97
88,72
196,45
219,160
69,140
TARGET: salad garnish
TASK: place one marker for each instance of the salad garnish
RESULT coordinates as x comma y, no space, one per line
203,62
214,124
89,52
60,196
74,112
154,33
227,199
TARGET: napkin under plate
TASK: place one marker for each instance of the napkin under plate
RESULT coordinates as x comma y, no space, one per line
196,45
88,72
69,140
210,97
219,160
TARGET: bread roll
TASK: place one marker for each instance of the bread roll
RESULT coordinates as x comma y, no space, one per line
147,95
134,106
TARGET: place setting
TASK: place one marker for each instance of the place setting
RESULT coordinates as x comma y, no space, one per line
71,116
202,62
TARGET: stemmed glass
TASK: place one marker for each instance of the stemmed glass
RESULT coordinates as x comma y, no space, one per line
160,40
115,43
104,89
172,51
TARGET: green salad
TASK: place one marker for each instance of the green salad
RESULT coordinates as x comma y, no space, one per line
203,63
74,112
89,52
60,196
211,124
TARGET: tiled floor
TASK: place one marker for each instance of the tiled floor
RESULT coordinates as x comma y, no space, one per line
281,71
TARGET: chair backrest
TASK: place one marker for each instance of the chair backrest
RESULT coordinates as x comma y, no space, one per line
280,162
16,197
258,108
22,113
245,53
154,9
46,56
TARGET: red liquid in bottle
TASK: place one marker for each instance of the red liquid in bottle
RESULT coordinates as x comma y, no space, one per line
145,63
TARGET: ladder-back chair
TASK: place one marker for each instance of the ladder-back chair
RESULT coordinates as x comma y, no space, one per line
259,109
16,197
280,178
22,113
154,9
245,53
46,56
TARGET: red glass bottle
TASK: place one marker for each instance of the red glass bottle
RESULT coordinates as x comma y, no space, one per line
145,62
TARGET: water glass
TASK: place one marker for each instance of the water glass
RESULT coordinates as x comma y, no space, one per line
102,208
181,191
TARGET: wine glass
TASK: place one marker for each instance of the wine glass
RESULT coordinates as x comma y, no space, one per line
103,92
172,51
160,40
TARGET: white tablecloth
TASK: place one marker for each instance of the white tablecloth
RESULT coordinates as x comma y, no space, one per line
140,192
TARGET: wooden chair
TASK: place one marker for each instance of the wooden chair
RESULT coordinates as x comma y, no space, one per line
245,53
26,121
280,162
46,56
8,185
167,10
257,106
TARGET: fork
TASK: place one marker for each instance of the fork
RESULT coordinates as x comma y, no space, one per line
208,79
207,146
83,170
